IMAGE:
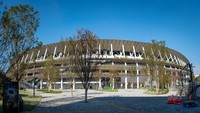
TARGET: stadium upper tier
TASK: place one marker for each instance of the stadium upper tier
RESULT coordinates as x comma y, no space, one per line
107,49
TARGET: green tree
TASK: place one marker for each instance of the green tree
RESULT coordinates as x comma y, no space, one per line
133,72
18,26
155,53
50,72
113,73
68,71
67,62
197,79
99,74
82,47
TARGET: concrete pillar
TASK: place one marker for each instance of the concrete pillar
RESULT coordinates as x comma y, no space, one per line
171,56
176,59
22,59
99,82
126,83
144,52
111,49
37,55
41,81
99,49
45,54
61,83
161,57
73,83
138,79
113,63
172,82
26,58
31,56
54,53
138,82
125,69
138,72
134,51
137,65
123,51
64,52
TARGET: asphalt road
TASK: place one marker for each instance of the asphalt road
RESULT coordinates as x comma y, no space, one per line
124,101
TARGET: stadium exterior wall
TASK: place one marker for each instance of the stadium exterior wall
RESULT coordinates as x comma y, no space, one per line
122,54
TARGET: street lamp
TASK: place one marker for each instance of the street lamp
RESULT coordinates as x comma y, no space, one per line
34,62
34,79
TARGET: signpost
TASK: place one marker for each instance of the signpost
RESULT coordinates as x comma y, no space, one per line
12,102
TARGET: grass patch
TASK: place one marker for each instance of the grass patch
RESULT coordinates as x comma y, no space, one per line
51,91
153,92
142,88
29,101
108,89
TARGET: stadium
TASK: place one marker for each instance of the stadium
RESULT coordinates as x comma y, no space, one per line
121,54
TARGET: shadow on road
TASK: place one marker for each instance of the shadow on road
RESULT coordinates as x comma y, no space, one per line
113,105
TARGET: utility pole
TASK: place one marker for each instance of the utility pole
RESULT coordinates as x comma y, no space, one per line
34,80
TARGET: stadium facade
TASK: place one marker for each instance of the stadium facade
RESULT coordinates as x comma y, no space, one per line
121,54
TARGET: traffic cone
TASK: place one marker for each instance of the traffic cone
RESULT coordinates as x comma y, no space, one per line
173,99
176,99
169,100
181,100
190,98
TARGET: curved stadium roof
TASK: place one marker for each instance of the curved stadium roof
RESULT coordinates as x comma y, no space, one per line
117,46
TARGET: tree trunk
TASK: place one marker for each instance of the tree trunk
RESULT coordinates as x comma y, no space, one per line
151,85
113,87
70,85
157,87
49,86
48,83
132,83
86,90
163,86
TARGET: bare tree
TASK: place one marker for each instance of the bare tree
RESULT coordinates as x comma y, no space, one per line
133,72
83,51
99,74
113,73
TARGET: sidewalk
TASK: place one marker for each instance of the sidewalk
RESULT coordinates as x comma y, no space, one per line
124,101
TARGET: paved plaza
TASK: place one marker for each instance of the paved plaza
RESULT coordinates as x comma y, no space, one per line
123,101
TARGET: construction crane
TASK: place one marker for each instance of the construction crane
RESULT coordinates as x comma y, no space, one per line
189,87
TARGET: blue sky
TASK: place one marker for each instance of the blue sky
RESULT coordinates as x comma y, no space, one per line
175,21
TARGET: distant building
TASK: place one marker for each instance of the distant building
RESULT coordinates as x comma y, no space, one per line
122,54
196,76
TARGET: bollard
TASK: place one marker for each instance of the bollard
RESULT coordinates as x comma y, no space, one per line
181,100
190,98
176,99
168,100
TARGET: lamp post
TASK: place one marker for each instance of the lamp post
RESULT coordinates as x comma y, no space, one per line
34,62
34,80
